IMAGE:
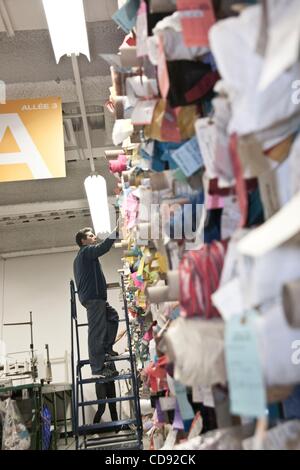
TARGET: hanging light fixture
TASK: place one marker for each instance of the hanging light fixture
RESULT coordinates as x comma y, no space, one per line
96,192
67,27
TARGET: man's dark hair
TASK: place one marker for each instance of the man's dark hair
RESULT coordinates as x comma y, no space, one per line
81,235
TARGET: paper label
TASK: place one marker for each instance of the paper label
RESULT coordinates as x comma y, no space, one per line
188,157
208,399
206,135
125,17
143,112
199,17
244,368
197,394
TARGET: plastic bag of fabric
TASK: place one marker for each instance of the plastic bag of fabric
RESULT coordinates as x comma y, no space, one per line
15,436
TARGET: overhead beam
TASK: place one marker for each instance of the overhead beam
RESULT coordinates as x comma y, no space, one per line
94,89
6,19
49,206
42,251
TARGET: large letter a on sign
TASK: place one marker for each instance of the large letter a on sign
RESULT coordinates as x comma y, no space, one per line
29,153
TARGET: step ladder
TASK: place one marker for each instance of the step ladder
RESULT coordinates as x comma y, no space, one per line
123,434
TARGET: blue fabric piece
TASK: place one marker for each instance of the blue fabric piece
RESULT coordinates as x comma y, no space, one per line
177,219
162,156
212,229
274,413
210,60
145,154
126,16
175,313
291,406
255,209
207,108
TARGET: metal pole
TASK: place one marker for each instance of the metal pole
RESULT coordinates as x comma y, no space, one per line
6,19
83,110
31,348
74,388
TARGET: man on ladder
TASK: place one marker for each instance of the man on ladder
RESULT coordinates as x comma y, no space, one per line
92,292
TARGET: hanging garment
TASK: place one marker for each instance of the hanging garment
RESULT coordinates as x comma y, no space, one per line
190,82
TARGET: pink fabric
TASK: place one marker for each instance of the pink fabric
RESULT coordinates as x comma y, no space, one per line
130,207
119,165
148,335
136,281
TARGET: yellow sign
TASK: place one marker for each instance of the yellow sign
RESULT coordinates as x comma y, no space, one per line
31,139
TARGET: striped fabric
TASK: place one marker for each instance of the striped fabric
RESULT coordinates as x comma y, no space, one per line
200,273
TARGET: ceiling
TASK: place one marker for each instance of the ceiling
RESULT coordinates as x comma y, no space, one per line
43,215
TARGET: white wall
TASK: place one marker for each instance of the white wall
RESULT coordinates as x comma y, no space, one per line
41,284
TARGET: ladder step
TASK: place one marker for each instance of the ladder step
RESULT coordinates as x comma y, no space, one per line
122,446
104,381
106,400
111,434
112,439
85,429
122,357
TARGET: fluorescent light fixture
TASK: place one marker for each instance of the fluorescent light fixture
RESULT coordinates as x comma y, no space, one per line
96,191
67,27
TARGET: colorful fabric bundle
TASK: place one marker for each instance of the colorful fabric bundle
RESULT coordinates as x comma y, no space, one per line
119,165
156,373
200,272
172,124
191,82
